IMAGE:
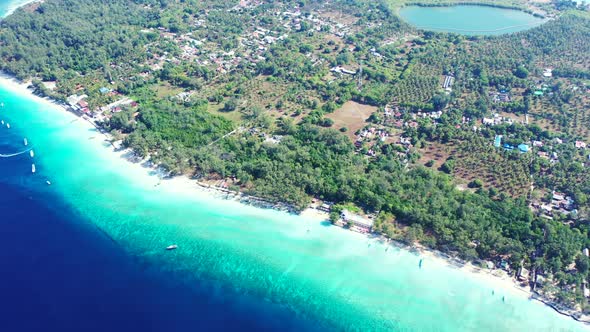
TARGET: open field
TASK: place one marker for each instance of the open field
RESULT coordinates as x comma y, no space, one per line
351,115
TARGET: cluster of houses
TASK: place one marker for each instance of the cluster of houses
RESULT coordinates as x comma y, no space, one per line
368,135
248,4
79,105
559,204
252,43
497,119
393,116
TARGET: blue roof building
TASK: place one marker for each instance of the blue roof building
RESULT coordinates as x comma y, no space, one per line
104,90
523,148
498,141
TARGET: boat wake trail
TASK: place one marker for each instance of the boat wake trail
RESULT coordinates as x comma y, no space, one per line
14,154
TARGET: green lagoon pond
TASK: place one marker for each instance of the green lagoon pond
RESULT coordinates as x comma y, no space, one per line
469,19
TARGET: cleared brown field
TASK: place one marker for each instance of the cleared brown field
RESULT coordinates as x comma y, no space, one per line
352,115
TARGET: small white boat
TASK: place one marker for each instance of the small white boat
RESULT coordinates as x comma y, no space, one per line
7,125
33,169
48,182
26,142
3,122
171,247
32,153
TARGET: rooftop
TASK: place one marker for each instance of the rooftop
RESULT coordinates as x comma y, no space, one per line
355,218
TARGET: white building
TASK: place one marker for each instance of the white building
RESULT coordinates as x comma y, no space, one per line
358,222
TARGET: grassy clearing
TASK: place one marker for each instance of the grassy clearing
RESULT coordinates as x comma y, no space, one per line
352,116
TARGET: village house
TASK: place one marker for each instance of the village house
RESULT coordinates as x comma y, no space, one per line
523,148
500,97
358,223
326,207
560,203
548,72
342,70
523,274
580,145
496,120
448,83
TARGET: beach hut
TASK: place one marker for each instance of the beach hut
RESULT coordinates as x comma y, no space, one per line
358,222
326,207
523,274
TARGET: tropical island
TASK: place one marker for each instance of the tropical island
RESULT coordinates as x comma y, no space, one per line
472,145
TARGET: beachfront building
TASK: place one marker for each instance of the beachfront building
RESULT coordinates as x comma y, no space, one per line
326,207
357,223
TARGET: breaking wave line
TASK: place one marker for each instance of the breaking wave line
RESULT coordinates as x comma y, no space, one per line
15,154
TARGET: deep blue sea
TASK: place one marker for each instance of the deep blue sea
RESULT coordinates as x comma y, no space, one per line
59,272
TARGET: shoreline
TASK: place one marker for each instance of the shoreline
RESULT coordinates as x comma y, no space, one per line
16,5
495,278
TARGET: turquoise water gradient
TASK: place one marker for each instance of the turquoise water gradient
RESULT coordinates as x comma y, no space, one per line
9,6
255,261
469,20
335,278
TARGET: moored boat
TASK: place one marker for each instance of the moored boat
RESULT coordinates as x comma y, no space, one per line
171,247
33,168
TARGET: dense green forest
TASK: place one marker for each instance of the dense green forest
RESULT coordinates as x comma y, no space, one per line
263,94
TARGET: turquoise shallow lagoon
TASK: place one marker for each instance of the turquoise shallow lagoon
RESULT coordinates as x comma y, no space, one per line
469,20
261,263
